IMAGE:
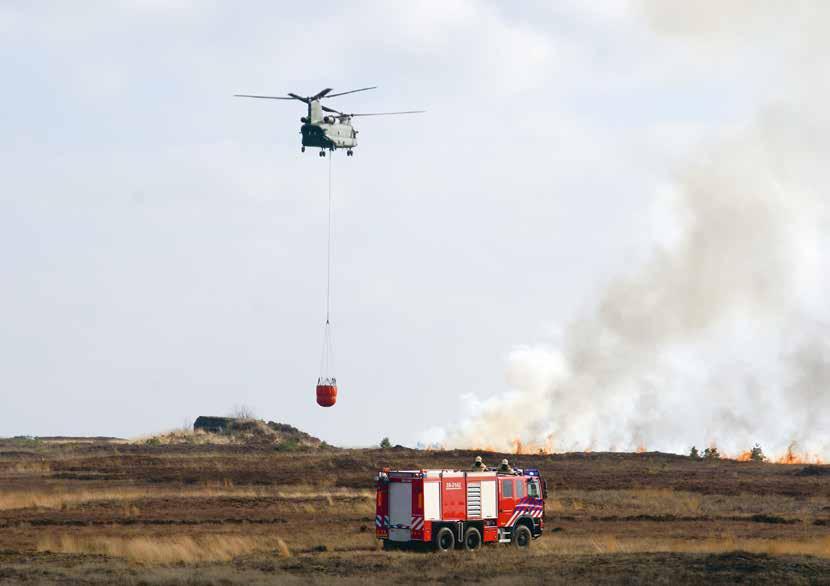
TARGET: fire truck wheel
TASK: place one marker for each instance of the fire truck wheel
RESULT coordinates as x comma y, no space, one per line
521,537
472,539
444,540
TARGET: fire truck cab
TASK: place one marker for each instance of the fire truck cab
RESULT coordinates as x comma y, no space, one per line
456,508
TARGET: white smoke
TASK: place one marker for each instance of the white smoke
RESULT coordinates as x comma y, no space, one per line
723,336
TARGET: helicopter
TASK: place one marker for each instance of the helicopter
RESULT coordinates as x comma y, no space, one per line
329,131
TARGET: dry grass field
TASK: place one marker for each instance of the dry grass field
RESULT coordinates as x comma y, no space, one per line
106,512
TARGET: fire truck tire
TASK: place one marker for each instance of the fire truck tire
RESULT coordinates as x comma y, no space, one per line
472,539
444,540
522,537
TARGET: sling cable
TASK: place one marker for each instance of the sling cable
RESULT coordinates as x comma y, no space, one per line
327,383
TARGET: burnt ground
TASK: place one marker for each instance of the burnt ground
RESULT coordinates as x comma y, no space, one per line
101,512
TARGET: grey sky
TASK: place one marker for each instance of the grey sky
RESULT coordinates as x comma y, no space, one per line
163,244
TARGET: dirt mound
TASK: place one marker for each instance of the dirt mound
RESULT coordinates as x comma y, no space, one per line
251,432
257,431
292,432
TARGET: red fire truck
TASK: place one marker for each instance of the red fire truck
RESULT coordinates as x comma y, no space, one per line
455,508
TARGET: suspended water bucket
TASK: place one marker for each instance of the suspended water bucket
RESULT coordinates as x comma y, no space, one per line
326,392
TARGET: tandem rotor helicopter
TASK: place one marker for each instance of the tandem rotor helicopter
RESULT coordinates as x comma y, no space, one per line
328,131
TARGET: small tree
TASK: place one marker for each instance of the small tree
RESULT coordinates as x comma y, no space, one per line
694,454
385,443
756,454
711,454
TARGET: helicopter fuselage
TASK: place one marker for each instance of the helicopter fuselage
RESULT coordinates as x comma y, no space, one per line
326,135
325,131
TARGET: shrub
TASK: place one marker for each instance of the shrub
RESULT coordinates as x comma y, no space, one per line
288,445
694,454
28,441
711,454
385,443
756,454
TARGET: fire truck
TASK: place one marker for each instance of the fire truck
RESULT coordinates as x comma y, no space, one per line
450,509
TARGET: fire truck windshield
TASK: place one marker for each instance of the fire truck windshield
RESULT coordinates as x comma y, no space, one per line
533,489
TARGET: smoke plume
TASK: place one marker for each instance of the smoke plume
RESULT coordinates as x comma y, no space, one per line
723,336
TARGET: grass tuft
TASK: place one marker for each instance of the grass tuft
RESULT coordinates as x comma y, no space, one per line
163,550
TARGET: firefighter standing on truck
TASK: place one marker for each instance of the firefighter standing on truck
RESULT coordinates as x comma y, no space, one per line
478,465
505,467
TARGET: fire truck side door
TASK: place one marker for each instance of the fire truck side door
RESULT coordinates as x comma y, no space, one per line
507,501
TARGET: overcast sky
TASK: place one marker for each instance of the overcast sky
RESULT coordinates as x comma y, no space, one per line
162,244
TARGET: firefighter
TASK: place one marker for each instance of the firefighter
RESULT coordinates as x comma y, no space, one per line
505,467
478,465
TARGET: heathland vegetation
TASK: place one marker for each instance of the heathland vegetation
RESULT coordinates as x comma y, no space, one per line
242,507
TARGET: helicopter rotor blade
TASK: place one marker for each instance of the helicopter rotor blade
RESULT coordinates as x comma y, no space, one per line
389,113
265,97
296,97
363,89
321,94
327,109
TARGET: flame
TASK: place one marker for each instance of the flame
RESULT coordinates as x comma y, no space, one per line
521,448
793,457
518,447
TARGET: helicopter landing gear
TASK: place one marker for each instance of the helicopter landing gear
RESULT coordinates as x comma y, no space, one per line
349,153
322,153
302,150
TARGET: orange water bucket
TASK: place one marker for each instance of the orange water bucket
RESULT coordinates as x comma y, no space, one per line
326,395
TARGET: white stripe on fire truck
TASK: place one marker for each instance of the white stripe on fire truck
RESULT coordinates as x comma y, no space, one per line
522,510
